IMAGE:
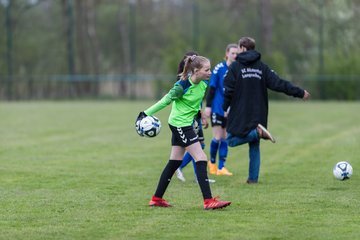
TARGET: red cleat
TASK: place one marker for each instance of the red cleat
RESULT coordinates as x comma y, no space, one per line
213,203
158,202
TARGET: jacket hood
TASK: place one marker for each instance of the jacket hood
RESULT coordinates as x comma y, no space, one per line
248,57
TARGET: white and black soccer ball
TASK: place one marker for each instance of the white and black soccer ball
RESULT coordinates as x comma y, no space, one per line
342,170
137,128
149,126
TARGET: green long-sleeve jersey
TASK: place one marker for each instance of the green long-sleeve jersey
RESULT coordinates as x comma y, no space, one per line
186,97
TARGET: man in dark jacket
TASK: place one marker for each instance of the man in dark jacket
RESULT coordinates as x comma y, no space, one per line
246,101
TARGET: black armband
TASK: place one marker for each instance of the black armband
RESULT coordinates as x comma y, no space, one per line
210,96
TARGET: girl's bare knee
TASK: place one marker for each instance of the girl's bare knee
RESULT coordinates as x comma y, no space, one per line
201,157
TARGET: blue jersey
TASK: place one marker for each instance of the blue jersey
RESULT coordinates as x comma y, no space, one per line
217,82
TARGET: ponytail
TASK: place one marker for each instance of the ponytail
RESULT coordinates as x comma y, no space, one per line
190,64
182,63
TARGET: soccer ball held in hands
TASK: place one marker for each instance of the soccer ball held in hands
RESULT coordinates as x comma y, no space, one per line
148,126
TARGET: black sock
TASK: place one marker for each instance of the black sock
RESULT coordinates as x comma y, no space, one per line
166,176
203,180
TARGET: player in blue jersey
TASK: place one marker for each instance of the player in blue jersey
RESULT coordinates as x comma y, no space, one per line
186,97
214,102
197,127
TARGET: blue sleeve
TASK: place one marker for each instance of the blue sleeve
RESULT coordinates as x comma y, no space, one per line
214,78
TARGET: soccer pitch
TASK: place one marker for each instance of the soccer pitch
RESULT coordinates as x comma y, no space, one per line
78,170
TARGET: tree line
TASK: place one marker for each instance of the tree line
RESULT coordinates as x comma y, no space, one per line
312,42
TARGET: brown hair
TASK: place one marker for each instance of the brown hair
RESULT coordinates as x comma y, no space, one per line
191,63
247,42
182,63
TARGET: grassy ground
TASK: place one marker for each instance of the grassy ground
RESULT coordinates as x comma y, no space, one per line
78,170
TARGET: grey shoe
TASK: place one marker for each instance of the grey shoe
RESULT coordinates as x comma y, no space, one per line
180,175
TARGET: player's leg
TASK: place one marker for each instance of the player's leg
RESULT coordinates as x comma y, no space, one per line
187,157
177,152
217,136
223,151
193,160
201,160
179,140
214,144
234,141
198,130
185,161
214,147
201,171
254,162
200,134
194,165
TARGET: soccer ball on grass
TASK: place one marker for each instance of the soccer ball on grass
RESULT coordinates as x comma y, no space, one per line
149,126
342,170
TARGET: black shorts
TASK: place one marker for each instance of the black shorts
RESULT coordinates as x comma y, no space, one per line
183,136
218,120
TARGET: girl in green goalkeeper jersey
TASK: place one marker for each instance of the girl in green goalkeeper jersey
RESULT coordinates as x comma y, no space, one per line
198,126
186,97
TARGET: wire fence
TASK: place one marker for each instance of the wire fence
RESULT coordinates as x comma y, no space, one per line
133,87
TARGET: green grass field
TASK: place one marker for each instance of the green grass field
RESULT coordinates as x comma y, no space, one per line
78,170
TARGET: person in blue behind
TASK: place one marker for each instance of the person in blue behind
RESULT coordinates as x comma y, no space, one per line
214,102
246,101
197,127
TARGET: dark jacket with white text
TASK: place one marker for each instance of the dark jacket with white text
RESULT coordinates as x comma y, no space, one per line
245,92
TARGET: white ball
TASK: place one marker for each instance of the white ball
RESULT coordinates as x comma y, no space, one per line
149,126
342,170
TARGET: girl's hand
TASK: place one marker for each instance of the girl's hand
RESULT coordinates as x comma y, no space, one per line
204,121
207,112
